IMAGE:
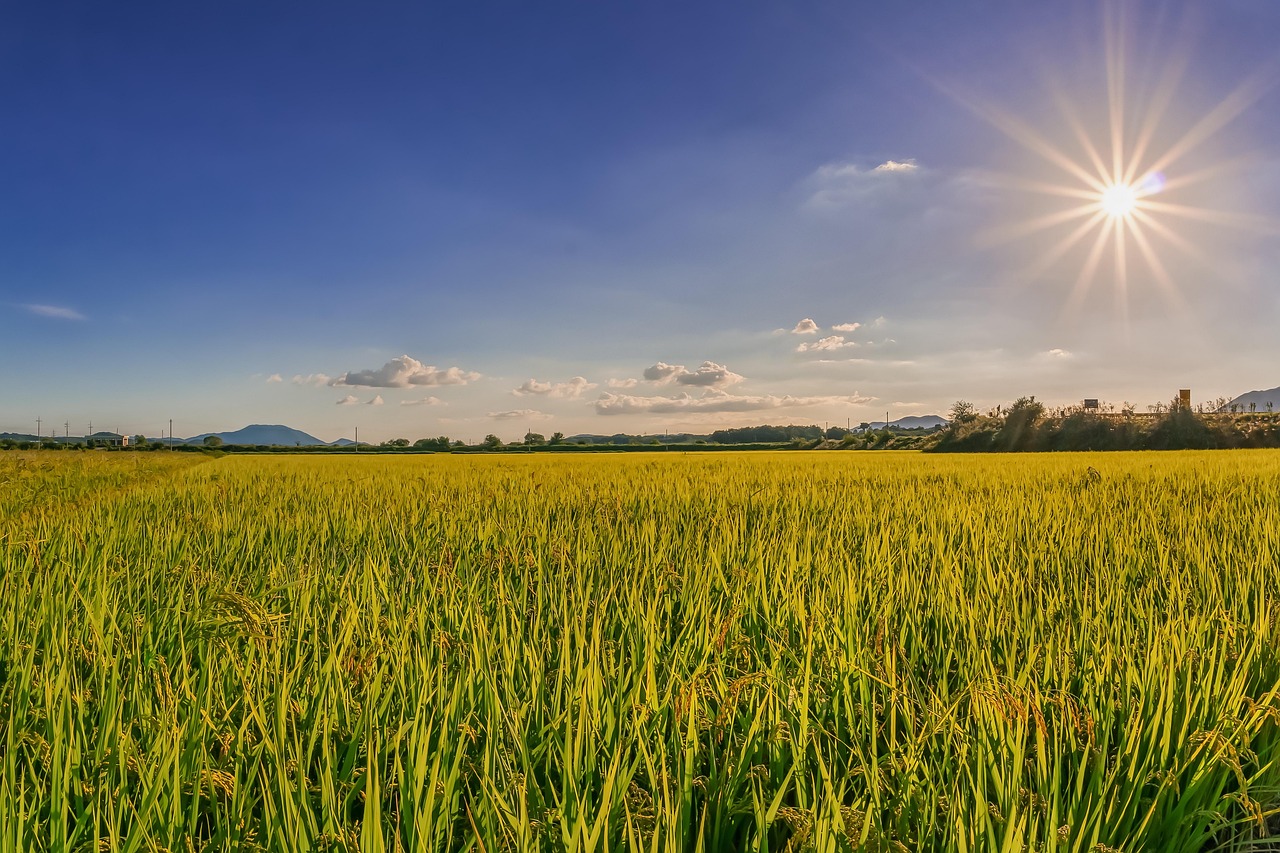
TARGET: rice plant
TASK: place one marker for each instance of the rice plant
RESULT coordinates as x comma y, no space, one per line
763,651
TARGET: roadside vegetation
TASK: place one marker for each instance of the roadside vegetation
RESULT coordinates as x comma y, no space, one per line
765,651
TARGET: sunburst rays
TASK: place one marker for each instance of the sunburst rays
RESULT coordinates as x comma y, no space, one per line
1112,191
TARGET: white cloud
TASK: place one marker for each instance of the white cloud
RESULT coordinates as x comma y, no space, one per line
846,327
900,405
349,400
319,380
827,344
805,327
376,401
274,378
405,372
520,414
572,389
56,312
1058,353
425,401
713,400
895,166
623,383
879,323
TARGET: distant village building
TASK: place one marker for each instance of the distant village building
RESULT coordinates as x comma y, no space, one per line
108,439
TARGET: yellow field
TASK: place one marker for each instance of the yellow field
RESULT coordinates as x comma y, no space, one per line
777,651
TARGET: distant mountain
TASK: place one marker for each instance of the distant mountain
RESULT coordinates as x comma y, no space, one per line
911,422
343,442
1260,399
269,434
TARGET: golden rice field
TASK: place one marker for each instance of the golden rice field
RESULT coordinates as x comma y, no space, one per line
748,651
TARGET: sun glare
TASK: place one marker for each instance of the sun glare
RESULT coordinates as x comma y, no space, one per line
1119,201
1110,186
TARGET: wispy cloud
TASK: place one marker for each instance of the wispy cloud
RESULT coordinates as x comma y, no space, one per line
805,327
827,344
425,401
376,401
623,383
349,400
846,327
837,184
571,389
405,372
319,380
56,312
519,414
274,378
714,400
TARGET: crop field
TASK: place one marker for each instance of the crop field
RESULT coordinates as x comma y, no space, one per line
731,651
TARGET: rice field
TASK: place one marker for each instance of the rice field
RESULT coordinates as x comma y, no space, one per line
731,651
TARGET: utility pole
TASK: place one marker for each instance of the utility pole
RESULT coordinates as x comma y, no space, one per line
357,439
90,427
39,434
171,433
66,425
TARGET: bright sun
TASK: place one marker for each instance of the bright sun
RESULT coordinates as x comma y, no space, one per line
1119,201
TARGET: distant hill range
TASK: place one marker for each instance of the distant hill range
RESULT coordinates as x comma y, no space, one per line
1259,400
268,434
911,422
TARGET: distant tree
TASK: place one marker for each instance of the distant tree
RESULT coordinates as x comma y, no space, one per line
138,441
534,438
835,433
437,443
962,412
492,441
212,441
557,438
396,442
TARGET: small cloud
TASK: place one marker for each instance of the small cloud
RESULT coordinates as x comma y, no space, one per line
623,383
846,327
319,380
520,414
1058,353
900,405
805,327
425,401
708,375
406,372
662,372
274,378
896,166
572,389
55,312
349,400
879,323
836,184
376,401
827,344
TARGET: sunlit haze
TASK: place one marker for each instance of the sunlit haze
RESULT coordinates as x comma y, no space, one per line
416,219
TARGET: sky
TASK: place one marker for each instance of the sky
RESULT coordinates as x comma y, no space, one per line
492,217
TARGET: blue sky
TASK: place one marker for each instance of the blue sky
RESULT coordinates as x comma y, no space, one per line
470,218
